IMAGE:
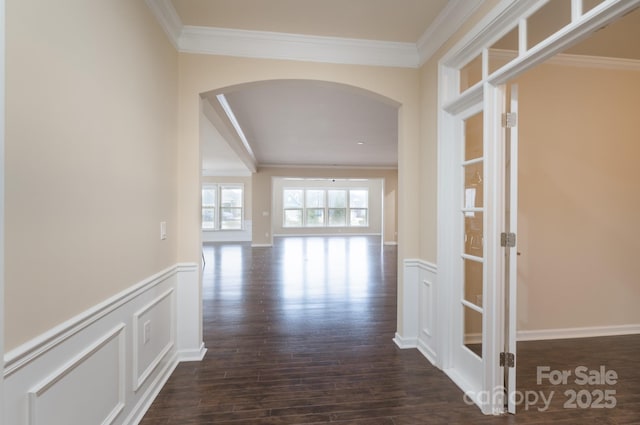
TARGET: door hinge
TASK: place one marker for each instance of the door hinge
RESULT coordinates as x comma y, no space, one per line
509,119
508,239
507,359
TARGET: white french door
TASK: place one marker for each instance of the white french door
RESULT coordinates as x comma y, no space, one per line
467,348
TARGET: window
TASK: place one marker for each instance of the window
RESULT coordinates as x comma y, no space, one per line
359,207
320,207
222,207
314,203
337,203
209,197
292,205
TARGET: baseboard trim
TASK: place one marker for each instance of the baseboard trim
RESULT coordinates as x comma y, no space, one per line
146,400
428,353
583,332
192,355
405,343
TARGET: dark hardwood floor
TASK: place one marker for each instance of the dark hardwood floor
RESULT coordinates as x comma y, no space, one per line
301,333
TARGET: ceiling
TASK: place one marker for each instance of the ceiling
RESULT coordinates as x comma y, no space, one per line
388,20
307,123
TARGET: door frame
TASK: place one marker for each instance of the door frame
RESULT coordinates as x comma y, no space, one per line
2,179
507,15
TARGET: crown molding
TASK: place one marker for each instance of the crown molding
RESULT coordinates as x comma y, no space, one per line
274,45
455,13
584,61
581,61
168,18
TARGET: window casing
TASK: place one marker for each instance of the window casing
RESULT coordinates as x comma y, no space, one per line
222,207
323,207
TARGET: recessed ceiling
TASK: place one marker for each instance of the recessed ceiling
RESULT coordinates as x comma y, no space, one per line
388,20
311,123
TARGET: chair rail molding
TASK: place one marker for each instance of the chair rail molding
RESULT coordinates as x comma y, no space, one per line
107,364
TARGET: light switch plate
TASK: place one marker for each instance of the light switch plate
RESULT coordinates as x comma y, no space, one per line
163,230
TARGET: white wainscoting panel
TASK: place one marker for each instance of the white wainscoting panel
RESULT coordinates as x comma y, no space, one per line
419,309
407,334
98,391
189,314
428,311
96,368
428,314
153,336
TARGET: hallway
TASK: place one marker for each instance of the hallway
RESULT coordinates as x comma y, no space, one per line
301,333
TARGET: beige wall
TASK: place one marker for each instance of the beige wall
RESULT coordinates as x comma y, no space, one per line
90,157
274,224
578,230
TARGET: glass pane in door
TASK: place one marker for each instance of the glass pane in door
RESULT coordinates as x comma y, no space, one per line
472,330
473,148
473,234
473,193
473,282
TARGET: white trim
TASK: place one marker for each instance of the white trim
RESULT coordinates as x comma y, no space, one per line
582,332
36,393
2,171
330,167
194,355
405,343
391,243
595,62
261,245
59,364
310,235
556,43
31,350
146,400
231,116
427,352
448,21
168,19
582,61
422,264
140,378
419,319
275,45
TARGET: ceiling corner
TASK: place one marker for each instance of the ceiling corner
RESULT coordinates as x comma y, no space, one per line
455,13
168,19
